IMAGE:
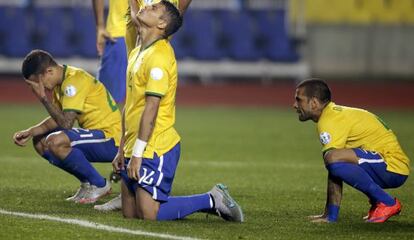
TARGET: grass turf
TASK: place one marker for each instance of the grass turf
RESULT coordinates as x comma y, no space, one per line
270,161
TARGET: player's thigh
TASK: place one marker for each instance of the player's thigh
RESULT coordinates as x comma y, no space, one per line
340,155
128,202
376,167
93,143
147,207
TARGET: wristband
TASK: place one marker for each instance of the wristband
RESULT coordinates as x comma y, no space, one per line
333,212
139,148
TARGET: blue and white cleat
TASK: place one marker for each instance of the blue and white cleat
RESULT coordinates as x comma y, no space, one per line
225,206
112,205
94,193
80,193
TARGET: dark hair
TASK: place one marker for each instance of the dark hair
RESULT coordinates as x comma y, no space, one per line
175,20
315,87
36,62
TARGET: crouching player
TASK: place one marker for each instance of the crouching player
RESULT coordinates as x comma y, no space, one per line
151,145
358,149
76,96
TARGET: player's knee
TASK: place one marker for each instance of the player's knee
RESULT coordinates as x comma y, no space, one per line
39,145
129,215
55,143
330,157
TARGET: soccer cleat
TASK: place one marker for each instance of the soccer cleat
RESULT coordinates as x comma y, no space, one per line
370,211
383,212
79,194
225,206
112,205
93,193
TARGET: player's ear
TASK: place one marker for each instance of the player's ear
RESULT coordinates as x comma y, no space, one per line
162,24
48,70
314,102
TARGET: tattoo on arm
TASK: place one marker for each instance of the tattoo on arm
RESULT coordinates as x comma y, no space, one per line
63,119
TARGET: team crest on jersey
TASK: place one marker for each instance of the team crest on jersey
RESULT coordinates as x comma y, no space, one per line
325,138
156,73
70,91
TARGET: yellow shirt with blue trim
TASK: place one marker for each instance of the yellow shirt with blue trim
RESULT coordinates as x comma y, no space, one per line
151,71
131,31
82,93
116,20
342,127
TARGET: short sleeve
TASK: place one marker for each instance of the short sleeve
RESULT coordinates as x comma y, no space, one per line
157,76
332,134
74,94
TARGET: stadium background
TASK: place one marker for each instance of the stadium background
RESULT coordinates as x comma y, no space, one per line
239,61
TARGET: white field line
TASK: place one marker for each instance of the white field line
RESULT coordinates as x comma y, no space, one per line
95,225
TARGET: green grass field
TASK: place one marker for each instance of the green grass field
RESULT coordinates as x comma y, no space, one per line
270,161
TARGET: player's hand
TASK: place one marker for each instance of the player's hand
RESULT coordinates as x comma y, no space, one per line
101,36
118,162
323,218
37,88
20,138
133,167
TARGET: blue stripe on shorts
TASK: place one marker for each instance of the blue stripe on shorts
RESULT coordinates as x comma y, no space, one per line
376,167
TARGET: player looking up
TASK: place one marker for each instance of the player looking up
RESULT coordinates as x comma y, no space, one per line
131,40
150,144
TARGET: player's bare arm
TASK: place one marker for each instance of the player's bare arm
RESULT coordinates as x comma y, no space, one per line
101,34
183,6
333,197
118,162
63,119
20,138
146,126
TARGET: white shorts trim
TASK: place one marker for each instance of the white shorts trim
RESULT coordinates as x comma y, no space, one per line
363,160
74,143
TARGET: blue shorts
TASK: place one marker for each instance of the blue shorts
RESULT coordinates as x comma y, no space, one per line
112,71
376,167
156,175
93,143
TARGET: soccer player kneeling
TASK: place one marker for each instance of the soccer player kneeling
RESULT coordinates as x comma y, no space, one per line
150,145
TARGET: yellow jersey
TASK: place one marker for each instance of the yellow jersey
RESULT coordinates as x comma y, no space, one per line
82,93
116,20
151,71
131,31
345,127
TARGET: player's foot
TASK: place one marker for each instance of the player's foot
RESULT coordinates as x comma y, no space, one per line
383,212
79,194
112,205
370,211
225,205
94,193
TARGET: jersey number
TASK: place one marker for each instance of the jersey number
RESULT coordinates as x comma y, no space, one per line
147,177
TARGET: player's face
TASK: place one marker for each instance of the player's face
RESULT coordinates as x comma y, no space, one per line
47,79
302,105
151,14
